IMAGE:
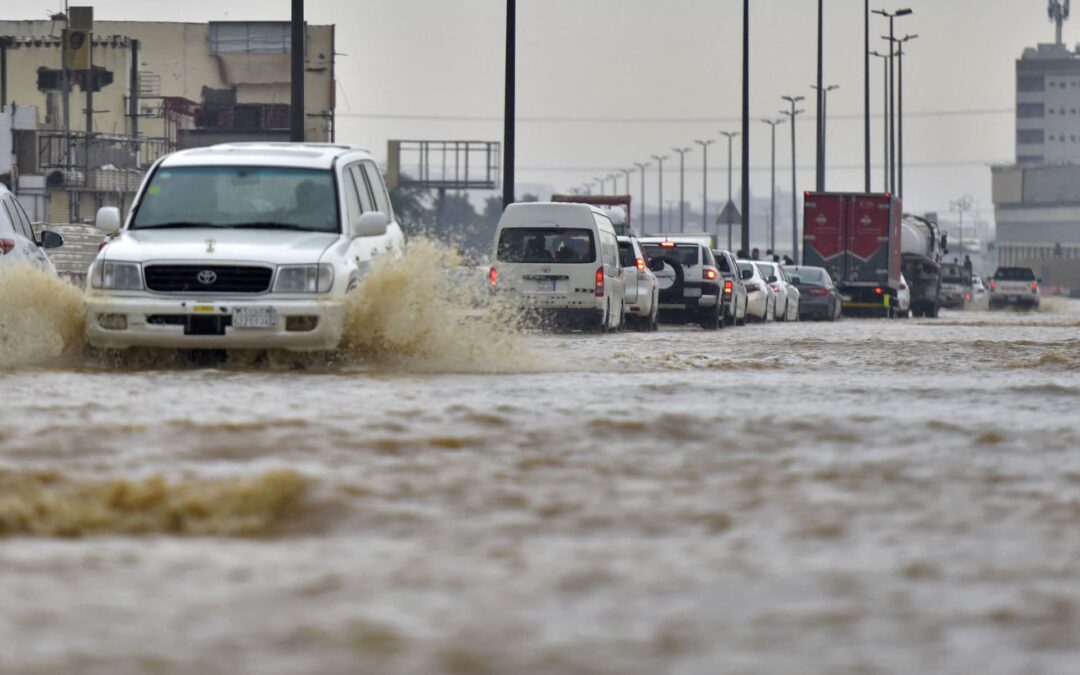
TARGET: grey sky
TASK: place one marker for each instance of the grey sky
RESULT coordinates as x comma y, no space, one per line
615,59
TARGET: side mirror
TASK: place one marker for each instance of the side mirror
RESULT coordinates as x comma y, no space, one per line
656,264
372,224
50,239
773,279
108,219
747,275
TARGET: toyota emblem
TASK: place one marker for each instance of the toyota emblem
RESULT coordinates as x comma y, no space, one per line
206,277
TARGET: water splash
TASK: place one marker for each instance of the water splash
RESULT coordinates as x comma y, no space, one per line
41,317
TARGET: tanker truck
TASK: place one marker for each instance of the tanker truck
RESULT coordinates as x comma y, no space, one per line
921,251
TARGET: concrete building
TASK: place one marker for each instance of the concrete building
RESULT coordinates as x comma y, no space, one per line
154,87
1037,200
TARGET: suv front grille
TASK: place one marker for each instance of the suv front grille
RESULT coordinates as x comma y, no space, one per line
208,279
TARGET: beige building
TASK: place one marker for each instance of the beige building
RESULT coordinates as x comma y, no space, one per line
191,85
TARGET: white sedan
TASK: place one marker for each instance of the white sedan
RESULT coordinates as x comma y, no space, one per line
786,303
760,298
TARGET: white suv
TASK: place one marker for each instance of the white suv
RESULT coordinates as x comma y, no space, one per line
690,282
246,246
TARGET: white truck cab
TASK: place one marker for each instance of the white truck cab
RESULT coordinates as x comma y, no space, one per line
246,246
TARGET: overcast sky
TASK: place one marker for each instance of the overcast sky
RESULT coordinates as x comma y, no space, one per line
639,77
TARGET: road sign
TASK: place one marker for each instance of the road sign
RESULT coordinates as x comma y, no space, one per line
730,215
77,48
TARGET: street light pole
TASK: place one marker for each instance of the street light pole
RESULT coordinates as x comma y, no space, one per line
627,173
510,91
705,183
820,173
682,191
792,114
660,199
884,116
866,95
773,123
641,167
900,112
891,16
730,135
745,233
822,128
603,185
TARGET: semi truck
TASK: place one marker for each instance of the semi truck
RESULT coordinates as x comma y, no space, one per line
856,237
921,251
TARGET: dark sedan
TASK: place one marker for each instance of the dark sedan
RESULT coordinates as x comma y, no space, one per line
820,299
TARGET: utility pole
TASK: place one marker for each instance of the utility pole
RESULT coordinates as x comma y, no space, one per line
746,127
296,117
866,96
885,117
641,167
730,135
900,111
705,183
510,92
682,192
660,200
823,95
773,123
820,173
891,16
792,114
627,172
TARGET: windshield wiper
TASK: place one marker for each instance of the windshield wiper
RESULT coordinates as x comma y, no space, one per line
271,226
173,226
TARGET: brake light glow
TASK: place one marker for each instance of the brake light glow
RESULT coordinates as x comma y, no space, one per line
878,290
6,246
640,262
993,285
493,276
710,275
775,287
600,282
967,296
1034,285
819,291
667,244
728,287
752,288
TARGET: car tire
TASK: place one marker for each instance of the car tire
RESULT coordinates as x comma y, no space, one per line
710,319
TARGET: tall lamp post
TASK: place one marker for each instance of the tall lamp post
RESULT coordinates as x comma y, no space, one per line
614,178
745,229
705,183
884,116
866,93
603,185
792,114
660,200
891,16
627,172
682,191
730,135
819,181
773,123
641,167
823,95
900,112
509,101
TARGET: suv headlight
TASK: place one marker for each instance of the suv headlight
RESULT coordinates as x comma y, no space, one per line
304,279
117,276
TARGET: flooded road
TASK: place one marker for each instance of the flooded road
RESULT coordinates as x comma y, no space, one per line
860,497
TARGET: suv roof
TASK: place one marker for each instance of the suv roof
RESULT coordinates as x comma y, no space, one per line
300,155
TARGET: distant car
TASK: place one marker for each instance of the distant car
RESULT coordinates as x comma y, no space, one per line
956,289
690,282
819,298
1014,287
902,310
17,241
560,262
640,288
760,299
786,306
981,299
734,288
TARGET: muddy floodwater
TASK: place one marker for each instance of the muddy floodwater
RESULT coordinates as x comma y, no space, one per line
869,496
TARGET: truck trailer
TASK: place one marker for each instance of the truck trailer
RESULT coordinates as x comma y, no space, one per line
856,237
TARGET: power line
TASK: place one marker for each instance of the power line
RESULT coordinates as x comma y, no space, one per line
808,167
970,112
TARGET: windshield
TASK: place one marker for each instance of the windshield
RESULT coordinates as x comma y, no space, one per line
807,275
1014,274
746,267
240,196
766,270
546,245
954,274
686,254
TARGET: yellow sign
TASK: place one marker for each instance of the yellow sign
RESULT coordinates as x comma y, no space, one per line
81,18
77,48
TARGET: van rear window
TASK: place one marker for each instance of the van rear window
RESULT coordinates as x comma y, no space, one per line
546,245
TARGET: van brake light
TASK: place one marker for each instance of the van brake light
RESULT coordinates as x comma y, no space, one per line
667,244
493,276
6,246
640,262
600,282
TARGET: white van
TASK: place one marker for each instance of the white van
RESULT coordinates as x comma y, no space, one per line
561,261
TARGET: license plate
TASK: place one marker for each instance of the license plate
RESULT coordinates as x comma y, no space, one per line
254,317
845,298
692,293
545,285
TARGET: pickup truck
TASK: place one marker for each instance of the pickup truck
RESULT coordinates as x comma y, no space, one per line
1015,287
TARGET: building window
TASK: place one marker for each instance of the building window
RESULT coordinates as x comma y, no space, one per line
1029,159
262,37
1030,136
1031,83
1028,110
